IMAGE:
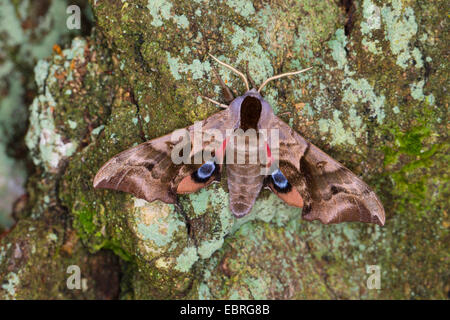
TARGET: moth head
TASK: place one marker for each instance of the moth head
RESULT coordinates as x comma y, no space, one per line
250,111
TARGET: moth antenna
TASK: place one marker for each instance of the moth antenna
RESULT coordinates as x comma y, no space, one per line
232,69
215,102
281,76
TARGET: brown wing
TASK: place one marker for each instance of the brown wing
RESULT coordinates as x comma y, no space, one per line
147,170
331,193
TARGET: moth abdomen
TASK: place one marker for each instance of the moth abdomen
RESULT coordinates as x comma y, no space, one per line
244,184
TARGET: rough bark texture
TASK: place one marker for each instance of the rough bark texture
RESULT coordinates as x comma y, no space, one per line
376,100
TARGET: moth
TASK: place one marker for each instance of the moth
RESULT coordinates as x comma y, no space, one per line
302,176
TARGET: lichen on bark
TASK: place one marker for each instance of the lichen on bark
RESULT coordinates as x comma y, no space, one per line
375,100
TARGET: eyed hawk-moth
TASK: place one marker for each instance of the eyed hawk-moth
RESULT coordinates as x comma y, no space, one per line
303,175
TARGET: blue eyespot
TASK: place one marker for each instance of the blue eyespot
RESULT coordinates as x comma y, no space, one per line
205,172
280,183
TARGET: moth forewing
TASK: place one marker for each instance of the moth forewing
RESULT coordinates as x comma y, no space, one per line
181,141
197,149
272,151
213,140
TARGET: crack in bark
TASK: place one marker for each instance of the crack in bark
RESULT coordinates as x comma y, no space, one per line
138,115
322,274
190,230
350,9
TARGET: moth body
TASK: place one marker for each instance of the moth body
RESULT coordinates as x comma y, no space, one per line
295,170
244,184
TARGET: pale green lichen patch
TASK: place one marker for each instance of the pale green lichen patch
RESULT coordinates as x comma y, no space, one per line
156,223
52,237
243,7
3,253
207,248
417,92
72,124
245,41
270,209
199,201
361,91
97,130
371,22
371,45
42,137
11,23
76,51
174,66
197,69
258,287
47,144
372,17
164,263
160,10
187,259
34,43
203,292
41,72
220,203
337,46
12,280
400,28
340,134
417,55
12,172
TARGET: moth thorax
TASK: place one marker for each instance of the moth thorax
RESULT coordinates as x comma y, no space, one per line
250,113
245,148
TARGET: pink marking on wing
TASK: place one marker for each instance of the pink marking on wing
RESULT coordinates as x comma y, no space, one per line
269,155
292,198
224,144
221,151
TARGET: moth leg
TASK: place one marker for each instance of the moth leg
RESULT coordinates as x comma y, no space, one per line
228,95
235,92
215,102
250,79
